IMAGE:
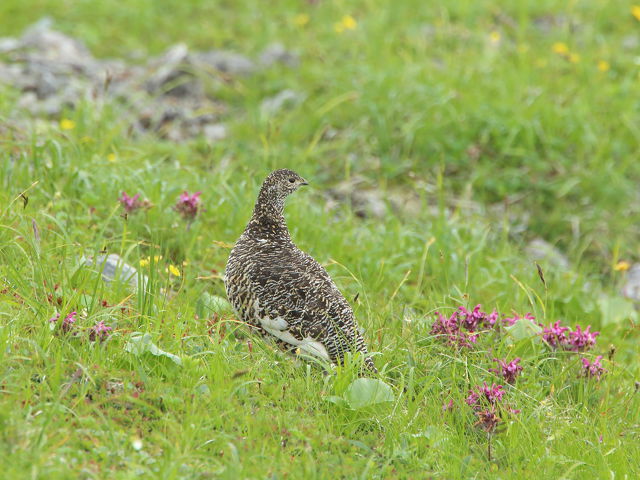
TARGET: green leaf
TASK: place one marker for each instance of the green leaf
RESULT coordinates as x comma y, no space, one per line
365,392
523,329
140,344
616,309
208,304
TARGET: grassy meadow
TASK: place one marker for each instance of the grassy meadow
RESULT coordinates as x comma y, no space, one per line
497,122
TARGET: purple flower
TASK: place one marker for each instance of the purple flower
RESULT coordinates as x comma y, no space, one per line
188,205
508,370
555,335
130,204
67,322
473,398
594,368
448,405
580,340
485,395
449,329
492,318
487,420
99,331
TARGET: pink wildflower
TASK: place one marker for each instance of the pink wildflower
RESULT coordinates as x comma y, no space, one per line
580,340
555,335
67,322
99,331
130,204
449,329
594,368
485,395
188,205
509,371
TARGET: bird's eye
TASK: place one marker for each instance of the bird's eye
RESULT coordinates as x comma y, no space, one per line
292,180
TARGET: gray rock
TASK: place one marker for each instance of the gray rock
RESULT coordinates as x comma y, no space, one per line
284,99
50,44
214,132
114,268
222,61
631,288
277,53
8,44
171,76
365,201
541,251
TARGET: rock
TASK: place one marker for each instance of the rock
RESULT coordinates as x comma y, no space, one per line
277,53
540,250
365,202
631,288
8,44
171,75
223,61
53,45
285,98
214,132
113,267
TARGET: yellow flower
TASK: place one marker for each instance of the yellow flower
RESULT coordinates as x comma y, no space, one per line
146,261
301,19
603,65
112,157
66,124
574,57
635,11
173,270
621,266
494,37
349,22
560,48
346,23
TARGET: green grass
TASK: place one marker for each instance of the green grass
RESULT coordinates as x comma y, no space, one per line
408,92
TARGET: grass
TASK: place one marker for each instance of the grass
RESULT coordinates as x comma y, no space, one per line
466,105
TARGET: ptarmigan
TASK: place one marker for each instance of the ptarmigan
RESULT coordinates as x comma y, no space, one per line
282,291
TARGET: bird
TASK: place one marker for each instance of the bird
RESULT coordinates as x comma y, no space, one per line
283,292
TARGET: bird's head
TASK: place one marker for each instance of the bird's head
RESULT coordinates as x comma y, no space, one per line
281,183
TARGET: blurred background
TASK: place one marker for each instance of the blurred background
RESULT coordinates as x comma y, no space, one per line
529,108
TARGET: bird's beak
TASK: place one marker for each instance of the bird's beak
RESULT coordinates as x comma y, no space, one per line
304,182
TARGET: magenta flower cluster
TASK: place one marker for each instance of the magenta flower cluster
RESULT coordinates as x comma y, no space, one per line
485,395
188,205
99,331
484,401
130,204
593,369
509,371
462,328
578,340
67,322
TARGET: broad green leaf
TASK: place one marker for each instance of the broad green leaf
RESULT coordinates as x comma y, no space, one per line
140,343
209,304
616,309
365,392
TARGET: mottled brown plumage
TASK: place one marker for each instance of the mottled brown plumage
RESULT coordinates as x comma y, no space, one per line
282,291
